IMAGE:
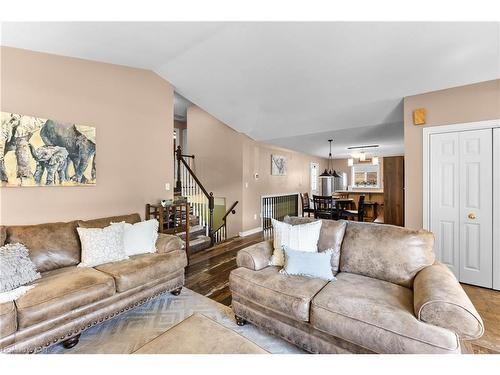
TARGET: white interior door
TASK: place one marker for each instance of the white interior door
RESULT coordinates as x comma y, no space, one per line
496,208
444,198
476,202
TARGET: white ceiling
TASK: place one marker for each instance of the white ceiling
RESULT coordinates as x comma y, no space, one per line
291,84
388,136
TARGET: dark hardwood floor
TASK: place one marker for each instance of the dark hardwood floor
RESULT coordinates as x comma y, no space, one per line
208,274
208,271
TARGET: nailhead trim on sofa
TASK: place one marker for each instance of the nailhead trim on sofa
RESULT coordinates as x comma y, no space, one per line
72,333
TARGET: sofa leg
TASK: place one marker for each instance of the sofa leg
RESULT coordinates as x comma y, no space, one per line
68,344
177,291
240,321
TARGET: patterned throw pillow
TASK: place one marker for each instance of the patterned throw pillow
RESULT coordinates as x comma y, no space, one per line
301,237
101,246
16,267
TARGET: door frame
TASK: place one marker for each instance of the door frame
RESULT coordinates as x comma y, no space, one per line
427,132
496,210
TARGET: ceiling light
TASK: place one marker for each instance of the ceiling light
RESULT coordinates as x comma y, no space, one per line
328,172
361,147
325,174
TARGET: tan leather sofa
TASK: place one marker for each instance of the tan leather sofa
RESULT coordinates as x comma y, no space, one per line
67,299
390,295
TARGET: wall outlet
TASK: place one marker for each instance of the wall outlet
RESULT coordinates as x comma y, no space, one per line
246,185
255,216
167,186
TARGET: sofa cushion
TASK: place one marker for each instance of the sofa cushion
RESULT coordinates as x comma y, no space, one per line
378,316
61,291
284,294
51,246
106,221
386,252
8,319
143,268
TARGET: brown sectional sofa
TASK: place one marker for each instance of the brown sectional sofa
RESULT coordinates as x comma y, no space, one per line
390,295
67,299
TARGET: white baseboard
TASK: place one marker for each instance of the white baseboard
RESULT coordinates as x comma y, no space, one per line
250,232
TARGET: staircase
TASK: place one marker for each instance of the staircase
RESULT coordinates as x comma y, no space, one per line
202,233
198,240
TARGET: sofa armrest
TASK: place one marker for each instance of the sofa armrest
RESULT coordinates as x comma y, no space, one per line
440,300
255,257
167,243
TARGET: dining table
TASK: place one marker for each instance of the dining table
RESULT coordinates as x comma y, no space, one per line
337,206
343,203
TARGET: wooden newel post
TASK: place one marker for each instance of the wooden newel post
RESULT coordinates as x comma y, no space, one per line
178,183
211,205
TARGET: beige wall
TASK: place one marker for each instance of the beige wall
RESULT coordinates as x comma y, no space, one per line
257,159
132,111
226,162
218,159
476,102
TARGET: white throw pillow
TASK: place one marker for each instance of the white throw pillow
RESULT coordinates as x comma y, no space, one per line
302,237
101,246
140,238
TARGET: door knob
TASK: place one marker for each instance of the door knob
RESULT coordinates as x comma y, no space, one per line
472,216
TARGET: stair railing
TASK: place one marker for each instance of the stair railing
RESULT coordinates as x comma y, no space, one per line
277,207
188,185
220,234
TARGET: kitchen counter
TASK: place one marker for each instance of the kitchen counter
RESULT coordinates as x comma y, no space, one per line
371,195
362,191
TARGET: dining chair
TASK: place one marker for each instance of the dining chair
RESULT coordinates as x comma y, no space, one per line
324,207
358,214
306,205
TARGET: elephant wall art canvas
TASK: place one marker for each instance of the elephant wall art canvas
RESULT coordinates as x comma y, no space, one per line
40,152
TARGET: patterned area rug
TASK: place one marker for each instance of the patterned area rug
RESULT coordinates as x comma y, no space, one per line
128,332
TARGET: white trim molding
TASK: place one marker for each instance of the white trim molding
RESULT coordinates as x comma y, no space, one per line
427,132
250,232
496,209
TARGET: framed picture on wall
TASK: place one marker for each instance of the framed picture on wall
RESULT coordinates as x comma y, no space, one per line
43,152
278,165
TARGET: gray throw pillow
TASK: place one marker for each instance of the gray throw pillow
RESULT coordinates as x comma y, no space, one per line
309,264
16,267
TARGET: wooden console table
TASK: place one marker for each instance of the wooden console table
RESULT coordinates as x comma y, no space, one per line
173,219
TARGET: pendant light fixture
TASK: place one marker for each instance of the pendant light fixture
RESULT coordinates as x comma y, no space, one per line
329,173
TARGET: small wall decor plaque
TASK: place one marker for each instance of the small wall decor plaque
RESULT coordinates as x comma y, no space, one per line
419,116
278,165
